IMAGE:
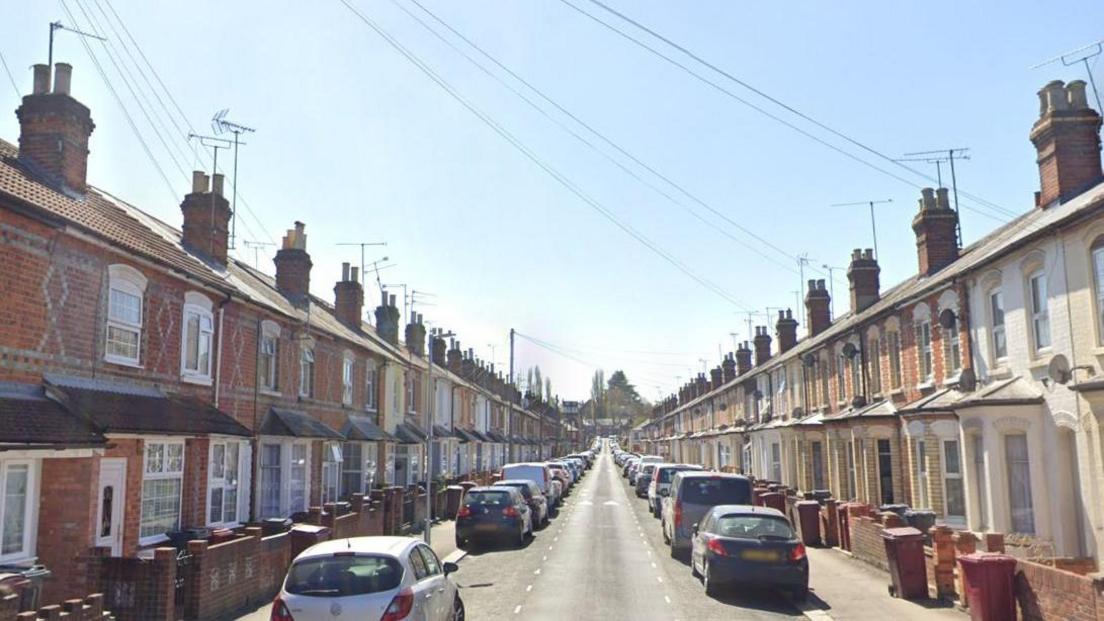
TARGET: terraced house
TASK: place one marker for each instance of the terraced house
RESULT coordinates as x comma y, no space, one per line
150,383
971,389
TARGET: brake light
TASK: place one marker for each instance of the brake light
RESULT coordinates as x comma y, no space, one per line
510,511
716,547
465,511
798,552
400,606
280,611
678,514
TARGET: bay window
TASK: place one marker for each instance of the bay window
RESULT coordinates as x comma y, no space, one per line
284,486
162,483
954,491
331,471
1019,484
920,459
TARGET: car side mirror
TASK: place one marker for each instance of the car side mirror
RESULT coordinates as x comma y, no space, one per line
694,530
664,492
450,567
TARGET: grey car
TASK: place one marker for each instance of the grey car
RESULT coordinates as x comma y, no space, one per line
692,494
643,478
660,484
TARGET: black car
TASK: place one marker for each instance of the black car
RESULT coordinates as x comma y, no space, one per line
537,502
493,513
746,545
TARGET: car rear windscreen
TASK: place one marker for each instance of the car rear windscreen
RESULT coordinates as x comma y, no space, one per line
715,491
666,474
487,498
340,576
753,527
521,487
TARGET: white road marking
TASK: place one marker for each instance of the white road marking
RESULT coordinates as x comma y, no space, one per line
530,588
518,609
537,572
610,503
653,565
544,558
667,599
659,579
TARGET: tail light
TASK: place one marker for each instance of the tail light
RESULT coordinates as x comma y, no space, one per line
400,606
716,547
465,511
678,514
510,511
280,611
798,552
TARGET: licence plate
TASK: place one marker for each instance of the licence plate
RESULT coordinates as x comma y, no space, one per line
486,527
760,555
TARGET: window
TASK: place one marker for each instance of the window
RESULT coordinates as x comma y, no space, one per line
952,352
1040,316
893,344
841,380
17,485
352,470
331,471
397,389
825,380
776,462
1098,279
921,464
126,288
268,365
306,372
284,484
818,465
411,391
297,494
856,376
996,318
955,506
885,471
924,351
1019,484
850,448
874,359
347,380
371,392
197,337
161,487
270,479
980,477
224,505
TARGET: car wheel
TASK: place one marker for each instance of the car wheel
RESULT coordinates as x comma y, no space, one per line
457,609
521,536
461,544
666,539
674,552
707,580
694,568
801,594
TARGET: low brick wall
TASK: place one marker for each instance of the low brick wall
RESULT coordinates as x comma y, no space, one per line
87,609
138,589
273,559
866,541
223,578
1044,593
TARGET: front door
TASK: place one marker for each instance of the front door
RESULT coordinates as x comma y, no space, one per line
112,501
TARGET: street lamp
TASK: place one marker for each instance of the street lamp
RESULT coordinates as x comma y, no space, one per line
431,401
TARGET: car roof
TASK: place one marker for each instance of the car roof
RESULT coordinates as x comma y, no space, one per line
491,488
686,466
512,482
747,510
531,464
708,474
393,546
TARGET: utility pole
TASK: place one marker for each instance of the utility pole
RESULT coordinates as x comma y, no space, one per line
873,226
512,389
431,411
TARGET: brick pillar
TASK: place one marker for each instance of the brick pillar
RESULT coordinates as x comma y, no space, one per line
165,594
994,542
830,520
193,603
965,543
95,603
890,519
50,613
943,553
74,608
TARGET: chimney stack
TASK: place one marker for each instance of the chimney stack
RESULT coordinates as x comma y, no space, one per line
818,307
716,377
437,350
743,359
387,319
53,131
701,384
786,329
1067,139
349,297
415,335
206,229
293,266
936,228
728,366
762,343
863,273
455,358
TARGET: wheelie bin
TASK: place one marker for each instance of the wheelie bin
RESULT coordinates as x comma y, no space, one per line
808,518
905,553
988,581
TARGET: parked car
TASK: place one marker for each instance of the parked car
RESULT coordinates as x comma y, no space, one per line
557,492
692,494
368,578
628,466
757,546
536,472
493,513
537,501
560,472
643,478
660,484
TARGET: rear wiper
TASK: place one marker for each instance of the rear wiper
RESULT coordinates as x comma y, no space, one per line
773,538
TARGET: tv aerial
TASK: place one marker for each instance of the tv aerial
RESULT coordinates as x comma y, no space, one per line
220,125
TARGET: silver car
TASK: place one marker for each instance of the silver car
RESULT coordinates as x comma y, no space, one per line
368,578
660,485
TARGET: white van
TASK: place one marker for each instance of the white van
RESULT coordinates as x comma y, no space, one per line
536,472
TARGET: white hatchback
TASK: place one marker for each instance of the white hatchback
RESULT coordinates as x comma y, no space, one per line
386,578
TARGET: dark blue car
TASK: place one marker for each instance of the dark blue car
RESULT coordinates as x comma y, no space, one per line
746,545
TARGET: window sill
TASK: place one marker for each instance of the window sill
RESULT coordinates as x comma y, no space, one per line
1039,361
928,385
199,380
152,540
124,362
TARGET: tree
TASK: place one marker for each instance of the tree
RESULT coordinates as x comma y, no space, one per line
598,395
548,390
622,399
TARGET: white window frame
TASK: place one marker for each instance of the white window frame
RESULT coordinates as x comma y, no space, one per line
332,458
874,358
287,447
920,457
925,362
371,386
1096,259
952,352
1039,310
270,334
30,509
217,481
163,474
306,372
348,365
953,476
128,281
893,350
998,331
199,306
411,391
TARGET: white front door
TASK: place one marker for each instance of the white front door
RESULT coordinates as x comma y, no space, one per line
111,503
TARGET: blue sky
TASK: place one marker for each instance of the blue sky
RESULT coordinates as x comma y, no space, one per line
355,141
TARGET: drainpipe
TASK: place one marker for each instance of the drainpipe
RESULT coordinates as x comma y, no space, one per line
218,354
1079,506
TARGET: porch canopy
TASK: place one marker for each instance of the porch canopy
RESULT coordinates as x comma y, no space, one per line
465,435
359,428
441,432
497,437
296,423
115,407
29,419
407,433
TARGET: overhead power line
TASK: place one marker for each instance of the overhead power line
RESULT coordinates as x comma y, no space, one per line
11,78
540,163
761,110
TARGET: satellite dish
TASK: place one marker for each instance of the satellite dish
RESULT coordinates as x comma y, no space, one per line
967,380
849,350
1059,369
947,319
724,406
809,360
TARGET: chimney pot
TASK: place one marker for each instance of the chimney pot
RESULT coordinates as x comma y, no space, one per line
200,182
217,180
293,265
1067,142
354,274
1077,97
206,227
41,79
345,272
936,228
63,78
391,301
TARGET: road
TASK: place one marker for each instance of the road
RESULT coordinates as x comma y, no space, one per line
602,558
